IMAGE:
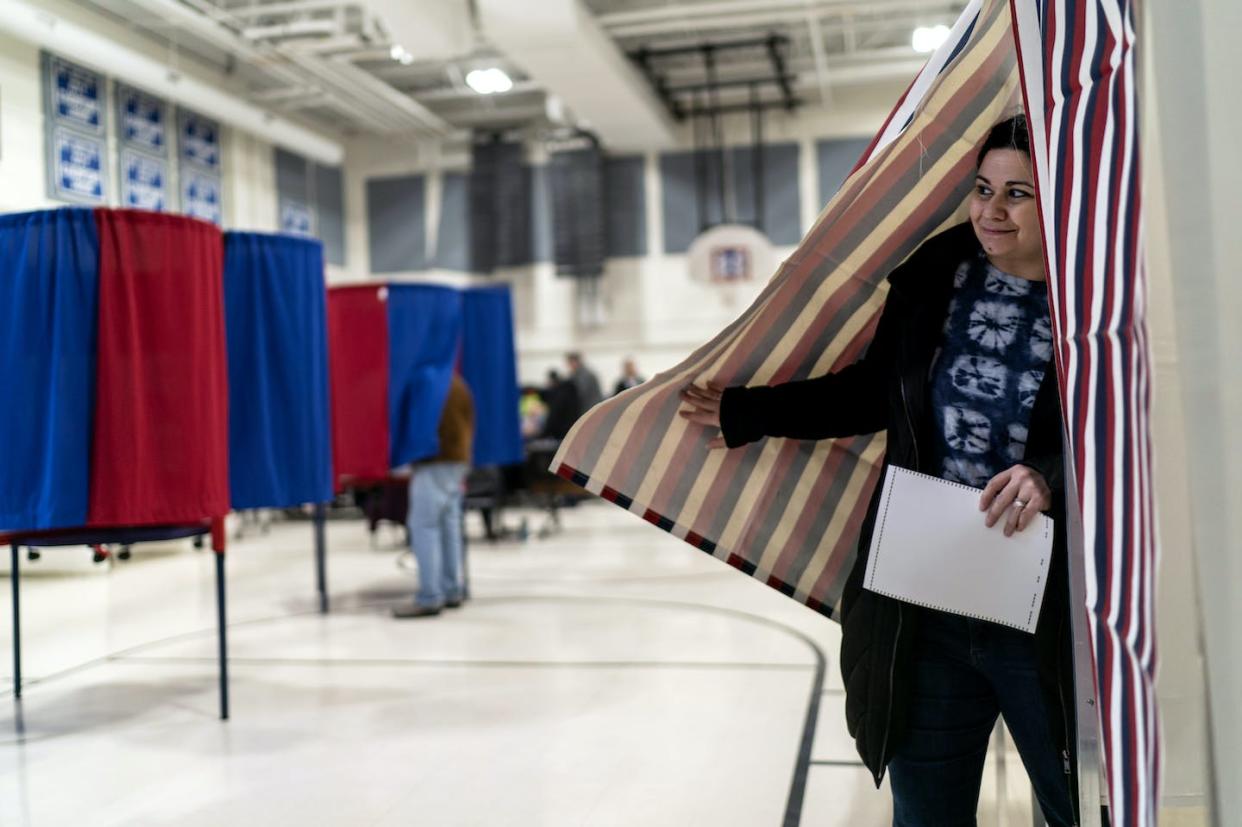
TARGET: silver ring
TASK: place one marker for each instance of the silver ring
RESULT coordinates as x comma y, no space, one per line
1020,503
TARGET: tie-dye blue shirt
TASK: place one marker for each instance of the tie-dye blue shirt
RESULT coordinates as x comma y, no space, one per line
997,343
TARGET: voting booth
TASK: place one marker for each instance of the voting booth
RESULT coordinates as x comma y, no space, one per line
394,349
280,440
112,340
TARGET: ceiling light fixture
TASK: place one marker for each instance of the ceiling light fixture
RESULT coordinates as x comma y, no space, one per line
928,38
489,81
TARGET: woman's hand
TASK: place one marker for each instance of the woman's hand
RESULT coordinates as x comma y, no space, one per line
704,408
1017,494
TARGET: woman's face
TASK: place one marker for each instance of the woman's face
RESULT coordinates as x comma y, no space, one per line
1004,214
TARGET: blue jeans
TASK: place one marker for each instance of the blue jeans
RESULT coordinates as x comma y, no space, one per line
966,672
436,492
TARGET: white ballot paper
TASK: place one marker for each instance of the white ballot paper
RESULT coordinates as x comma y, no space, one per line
932,547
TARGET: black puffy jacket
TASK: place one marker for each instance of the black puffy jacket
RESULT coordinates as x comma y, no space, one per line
888,390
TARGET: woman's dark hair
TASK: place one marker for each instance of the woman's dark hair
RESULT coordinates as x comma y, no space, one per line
1010,134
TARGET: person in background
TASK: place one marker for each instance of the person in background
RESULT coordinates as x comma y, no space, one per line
437,487
585,381
564,407
629,377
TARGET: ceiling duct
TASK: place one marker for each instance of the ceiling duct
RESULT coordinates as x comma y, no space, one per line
559,44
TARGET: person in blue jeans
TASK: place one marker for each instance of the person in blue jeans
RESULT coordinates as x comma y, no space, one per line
437,488
959,376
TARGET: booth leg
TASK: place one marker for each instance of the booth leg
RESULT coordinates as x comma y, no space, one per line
321,562
17,622
222,628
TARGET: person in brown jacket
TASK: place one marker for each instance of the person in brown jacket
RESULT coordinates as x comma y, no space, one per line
436,490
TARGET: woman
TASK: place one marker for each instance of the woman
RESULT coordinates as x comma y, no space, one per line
960,377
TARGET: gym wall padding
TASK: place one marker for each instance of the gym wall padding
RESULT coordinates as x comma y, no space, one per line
626,206
396,223
453,232
782,202
835,158
330,211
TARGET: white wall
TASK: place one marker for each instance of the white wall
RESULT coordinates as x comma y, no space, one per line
1180,683
383,157
1192,89
22,177
250,201
249,175
653,310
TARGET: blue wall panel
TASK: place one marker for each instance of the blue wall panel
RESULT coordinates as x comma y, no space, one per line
782,199
330,204
541,215
396,224
681,199
453,234
292,177
626,206
836,157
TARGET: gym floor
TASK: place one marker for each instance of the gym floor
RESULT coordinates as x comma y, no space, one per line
605,675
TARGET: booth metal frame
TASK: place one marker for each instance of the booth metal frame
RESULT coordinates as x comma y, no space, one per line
213,527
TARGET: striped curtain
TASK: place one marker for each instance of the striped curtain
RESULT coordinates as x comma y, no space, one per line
785,511
1081,94
789,512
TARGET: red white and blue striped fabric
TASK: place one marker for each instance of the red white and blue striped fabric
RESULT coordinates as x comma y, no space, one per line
788,513
1077,59
783,511
393,349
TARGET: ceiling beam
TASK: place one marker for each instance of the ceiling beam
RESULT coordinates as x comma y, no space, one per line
258,10
831,20
820,54
293,28
520,87
694,12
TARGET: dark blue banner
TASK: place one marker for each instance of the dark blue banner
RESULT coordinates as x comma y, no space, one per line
144,181
200,195
199,140
79,167
76,96
142,120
